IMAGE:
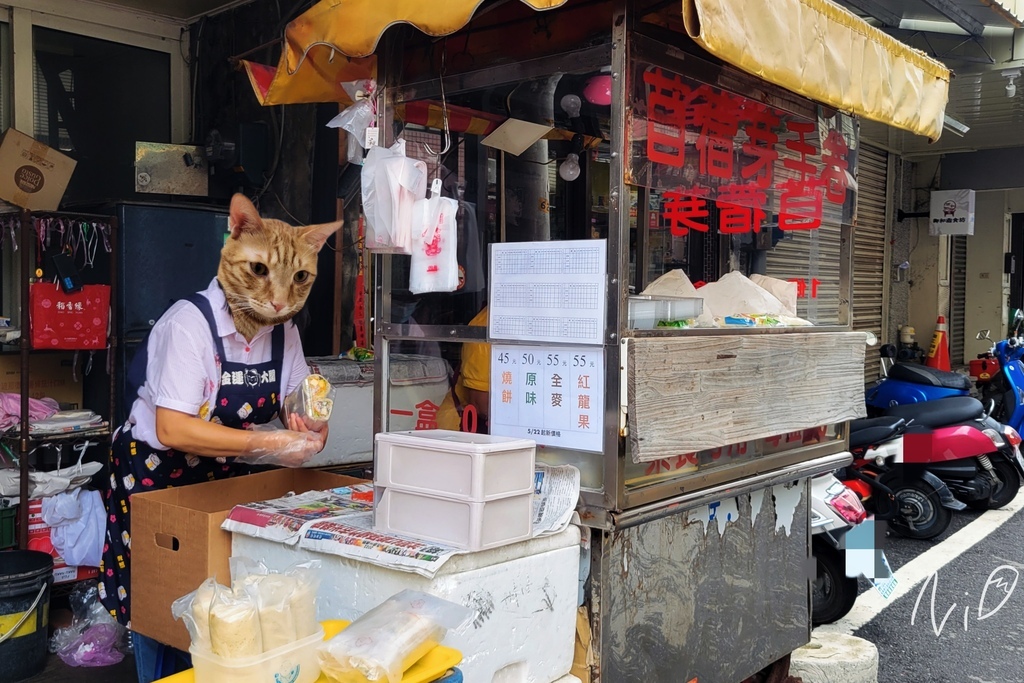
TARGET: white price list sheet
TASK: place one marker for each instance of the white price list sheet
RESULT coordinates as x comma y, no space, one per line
549,291
553,395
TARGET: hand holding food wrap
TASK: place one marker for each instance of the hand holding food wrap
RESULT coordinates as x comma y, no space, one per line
306,411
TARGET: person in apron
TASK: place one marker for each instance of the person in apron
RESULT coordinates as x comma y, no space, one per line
238,395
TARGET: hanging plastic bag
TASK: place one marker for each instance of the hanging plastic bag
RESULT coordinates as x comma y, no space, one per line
361,115
391,184
435,265
383,643
77,522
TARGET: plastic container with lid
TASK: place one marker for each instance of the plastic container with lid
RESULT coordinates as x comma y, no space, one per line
468,525
644,311
295,663
467,467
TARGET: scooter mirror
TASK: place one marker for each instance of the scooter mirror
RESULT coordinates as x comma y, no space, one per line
870,339
983,335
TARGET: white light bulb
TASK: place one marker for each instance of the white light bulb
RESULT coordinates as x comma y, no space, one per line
571,105
569,169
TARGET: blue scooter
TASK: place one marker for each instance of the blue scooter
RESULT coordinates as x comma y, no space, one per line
906,383
1004,391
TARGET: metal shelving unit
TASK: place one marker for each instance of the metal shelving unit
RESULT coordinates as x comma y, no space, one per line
26,441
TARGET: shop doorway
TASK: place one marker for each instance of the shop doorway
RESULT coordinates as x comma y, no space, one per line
1017,251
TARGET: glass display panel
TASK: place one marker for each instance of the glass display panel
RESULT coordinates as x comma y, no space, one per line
734,184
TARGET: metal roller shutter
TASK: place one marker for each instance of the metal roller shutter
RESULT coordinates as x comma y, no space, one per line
957,299
810,256
869,251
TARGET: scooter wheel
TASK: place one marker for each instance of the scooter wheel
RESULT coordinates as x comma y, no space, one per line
1007,490
833,592
919,513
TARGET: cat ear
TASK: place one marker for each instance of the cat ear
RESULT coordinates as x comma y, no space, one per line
317,235
242,216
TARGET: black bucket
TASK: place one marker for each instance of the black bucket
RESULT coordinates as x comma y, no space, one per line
25,580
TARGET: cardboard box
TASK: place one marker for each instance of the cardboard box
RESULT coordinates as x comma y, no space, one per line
177,542
39,539
32,175
49,374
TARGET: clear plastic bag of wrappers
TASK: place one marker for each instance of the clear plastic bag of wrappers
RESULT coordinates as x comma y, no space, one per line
312,401
383,643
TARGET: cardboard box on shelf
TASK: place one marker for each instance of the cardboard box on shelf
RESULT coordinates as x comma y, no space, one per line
177,542
32,175
39,539
50,374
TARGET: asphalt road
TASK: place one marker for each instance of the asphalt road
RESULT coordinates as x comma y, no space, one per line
973,628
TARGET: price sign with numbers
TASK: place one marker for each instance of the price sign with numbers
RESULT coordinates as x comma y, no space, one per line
554,396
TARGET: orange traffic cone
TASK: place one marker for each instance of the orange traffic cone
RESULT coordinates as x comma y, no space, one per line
938,354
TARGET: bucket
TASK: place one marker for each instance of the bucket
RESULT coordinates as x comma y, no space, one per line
25,580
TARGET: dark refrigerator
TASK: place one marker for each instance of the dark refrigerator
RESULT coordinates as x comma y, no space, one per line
167,252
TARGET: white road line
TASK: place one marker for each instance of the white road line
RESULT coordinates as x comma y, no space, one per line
870,603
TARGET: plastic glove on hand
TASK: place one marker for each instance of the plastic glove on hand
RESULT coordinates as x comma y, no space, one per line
282,447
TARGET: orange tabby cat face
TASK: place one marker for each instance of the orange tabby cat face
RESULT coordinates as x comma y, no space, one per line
267,267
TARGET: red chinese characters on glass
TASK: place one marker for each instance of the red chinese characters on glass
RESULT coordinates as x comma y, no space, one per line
718,118
835,164
686,210
760,145
800,204
666,118
741,208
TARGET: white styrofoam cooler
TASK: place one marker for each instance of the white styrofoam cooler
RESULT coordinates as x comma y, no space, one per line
465,524
470,467
525,595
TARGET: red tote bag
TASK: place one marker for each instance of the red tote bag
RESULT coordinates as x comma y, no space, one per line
68,321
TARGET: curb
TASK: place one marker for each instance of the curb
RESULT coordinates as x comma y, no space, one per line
835,658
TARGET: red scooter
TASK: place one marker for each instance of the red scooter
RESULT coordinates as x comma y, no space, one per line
930,457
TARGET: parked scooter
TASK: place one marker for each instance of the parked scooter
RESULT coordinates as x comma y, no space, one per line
1000,375
928,453
906,383
916,503
835,510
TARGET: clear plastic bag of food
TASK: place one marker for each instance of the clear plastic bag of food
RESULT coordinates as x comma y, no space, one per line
286,600
235,625
383,643
312,401
194,610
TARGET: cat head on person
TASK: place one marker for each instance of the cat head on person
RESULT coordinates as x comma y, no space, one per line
267,267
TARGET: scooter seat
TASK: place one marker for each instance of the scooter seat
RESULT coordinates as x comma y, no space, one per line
875,430
940,413
930,377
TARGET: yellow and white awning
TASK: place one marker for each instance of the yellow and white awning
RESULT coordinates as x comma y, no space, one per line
811,47
820,50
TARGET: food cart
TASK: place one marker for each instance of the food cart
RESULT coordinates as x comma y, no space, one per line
592,149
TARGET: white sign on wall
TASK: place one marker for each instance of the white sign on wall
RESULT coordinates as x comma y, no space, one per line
951,212
553,395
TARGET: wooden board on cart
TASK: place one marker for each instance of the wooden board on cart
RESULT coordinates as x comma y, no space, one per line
693,393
